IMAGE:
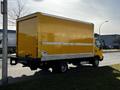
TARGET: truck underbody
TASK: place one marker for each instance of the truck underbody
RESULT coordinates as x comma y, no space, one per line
56,65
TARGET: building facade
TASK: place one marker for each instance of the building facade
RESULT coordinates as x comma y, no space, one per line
109,41
11,40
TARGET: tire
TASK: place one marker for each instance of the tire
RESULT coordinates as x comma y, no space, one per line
63,67
60,67
95,62
33,67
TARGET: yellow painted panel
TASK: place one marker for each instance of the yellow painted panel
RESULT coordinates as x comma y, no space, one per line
27,37
60,30
59,49
33,31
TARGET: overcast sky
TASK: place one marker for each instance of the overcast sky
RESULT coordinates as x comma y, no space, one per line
95,11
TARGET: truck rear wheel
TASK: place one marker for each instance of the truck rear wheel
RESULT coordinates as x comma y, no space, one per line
95,62
63,67
60,67
32,67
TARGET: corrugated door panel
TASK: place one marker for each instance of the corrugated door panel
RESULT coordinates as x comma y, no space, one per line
27,37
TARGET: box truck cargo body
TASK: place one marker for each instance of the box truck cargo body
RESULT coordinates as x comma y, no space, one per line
48,40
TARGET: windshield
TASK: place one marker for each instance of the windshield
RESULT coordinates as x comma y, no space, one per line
97,43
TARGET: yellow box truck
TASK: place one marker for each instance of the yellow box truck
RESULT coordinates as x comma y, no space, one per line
48,41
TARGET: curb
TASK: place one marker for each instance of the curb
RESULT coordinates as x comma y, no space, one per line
110,51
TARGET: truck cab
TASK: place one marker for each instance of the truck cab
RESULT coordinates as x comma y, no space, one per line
98,54
98,49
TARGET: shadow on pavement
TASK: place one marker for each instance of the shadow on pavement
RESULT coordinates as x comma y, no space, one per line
82,78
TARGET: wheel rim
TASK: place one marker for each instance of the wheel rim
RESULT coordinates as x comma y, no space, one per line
96,62
63,68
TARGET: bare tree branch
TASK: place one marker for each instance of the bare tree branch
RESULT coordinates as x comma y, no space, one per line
17,11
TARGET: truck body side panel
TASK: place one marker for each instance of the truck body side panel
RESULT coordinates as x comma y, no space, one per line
53,38
64,38
27,37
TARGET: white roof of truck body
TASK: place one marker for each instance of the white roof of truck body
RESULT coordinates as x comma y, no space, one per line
51,15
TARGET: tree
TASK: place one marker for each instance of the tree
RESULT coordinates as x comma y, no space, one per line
17,11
